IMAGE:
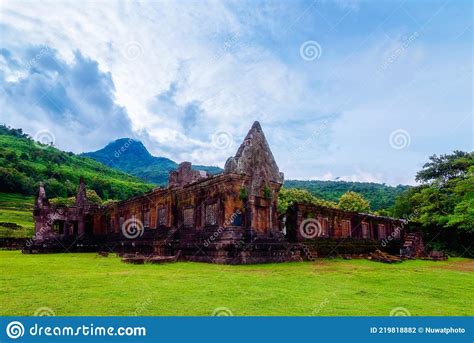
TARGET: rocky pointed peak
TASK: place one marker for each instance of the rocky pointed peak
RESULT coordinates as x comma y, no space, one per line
256,126
255,158
255,134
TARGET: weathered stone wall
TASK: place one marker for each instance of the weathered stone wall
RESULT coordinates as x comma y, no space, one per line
229,218
306,221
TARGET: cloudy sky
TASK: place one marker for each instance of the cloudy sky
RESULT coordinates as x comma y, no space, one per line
348,90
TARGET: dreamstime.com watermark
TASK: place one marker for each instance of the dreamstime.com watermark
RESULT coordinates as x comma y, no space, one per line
45,229
313,136
222,139
393,236
44,138
396,234
317,309
222,312
310,50
400,312
228,45
132,50
310,228
123,148
44,312
399,139
142,307
217,233
16,329
395,55
323,304
133,228
35,60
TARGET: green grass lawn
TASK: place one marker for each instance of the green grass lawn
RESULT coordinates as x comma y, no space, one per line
86,284
16,209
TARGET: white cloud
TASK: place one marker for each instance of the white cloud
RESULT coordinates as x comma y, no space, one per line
148,47
232,63
359,176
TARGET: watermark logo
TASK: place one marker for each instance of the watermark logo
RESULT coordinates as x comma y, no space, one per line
399,312
45,229
132,228
395,55
35,60
15,330
222,312
310,228
222,139
399,139
310,50
320,307
142,307
44,312
393,236
123,148
229,44
221,229
44,138
132,51
314,135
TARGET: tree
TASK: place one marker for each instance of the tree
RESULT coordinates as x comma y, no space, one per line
93,197
109,202
463,213
23,165
447,198
446,167
290,196
405,205
352,201
444,203
63,201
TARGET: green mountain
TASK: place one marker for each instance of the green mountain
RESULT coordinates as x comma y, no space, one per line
132,157
379,195
24,163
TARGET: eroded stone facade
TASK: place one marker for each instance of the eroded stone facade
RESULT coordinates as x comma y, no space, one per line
227,218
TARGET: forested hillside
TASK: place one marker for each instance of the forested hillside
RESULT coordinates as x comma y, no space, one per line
379,195
24,163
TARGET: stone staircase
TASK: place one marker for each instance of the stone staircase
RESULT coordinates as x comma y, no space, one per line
413,245
308,253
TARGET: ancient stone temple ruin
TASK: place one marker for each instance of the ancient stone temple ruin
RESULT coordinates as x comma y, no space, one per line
226,218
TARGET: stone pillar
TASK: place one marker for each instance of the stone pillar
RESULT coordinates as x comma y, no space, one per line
80,228
299,220
270,218
66,228
251,213
44,226
38,228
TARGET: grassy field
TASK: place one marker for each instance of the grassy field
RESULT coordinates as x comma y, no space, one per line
86,284
17,210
